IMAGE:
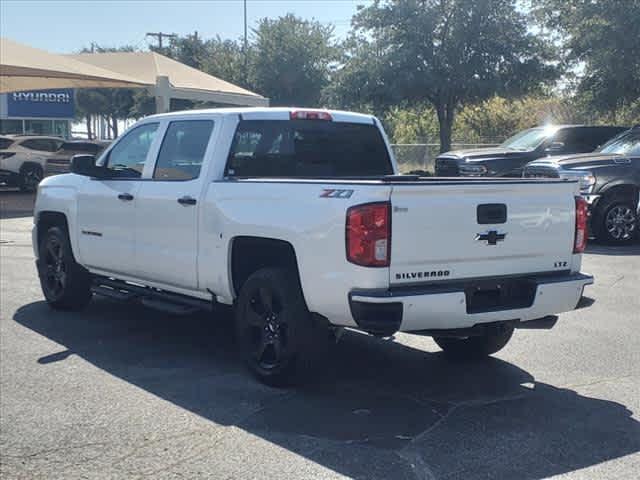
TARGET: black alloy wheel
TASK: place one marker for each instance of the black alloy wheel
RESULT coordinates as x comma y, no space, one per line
66,285
268,329
55,271
280,340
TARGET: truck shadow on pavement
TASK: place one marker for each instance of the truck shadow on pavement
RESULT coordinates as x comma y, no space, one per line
382,410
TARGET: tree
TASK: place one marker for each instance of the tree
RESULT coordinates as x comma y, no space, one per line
226,60
190,50
447,52
601,40
291,60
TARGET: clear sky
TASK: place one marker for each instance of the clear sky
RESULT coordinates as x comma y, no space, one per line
65,26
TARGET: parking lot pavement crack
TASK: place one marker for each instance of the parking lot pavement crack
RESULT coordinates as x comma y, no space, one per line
620,278
146,443
56,450
491,401
407,448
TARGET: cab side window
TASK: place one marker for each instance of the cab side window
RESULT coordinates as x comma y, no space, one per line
126,159
182,151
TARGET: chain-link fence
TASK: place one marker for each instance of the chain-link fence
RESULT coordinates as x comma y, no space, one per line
421,156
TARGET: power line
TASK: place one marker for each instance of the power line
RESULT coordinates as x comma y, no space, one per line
160,36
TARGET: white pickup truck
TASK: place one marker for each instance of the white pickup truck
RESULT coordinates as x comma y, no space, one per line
299,220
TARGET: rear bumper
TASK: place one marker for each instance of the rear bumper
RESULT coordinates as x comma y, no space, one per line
444,306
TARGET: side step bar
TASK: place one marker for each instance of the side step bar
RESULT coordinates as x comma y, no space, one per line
150,297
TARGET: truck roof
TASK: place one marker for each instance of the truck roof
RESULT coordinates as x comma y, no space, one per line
267,113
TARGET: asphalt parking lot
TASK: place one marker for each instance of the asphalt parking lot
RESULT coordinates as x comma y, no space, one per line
120,391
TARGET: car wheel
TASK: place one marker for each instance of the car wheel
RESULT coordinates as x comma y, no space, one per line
30,178
66,285
494,339
617,222
280,341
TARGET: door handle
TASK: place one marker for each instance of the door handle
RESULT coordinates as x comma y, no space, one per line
127,197
186,200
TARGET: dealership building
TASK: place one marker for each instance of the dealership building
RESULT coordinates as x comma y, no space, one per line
43,112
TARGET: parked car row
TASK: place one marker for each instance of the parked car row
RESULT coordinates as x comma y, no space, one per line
26,159
608,169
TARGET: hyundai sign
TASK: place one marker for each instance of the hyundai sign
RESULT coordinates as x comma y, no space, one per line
41,104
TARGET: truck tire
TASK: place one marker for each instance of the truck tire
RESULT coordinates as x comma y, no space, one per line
616,221
30,177
491,341
280,341
66,285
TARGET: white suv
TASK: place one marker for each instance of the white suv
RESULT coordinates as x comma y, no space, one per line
23,159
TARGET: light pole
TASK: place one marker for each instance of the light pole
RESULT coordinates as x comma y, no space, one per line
246,52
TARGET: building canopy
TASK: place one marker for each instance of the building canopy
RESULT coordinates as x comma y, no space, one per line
24,68
167,79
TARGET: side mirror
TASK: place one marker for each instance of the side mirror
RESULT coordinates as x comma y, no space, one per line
85,165
555,147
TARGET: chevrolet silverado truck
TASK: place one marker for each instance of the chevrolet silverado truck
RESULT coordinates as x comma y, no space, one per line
609,181
507,159
299,220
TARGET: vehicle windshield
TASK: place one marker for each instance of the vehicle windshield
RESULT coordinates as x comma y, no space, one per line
528,139
5,143
625,143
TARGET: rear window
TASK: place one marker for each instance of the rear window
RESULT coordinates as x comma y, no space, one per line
307,148
5,143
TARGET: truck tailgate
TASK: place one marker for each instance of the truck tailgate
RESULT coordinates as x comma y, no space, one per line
452,230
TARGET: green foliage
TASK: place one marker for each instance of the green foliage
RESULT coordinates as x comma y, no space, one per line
291,60
601,41
418,124
446,52
190,50
497,118
473,71
226,60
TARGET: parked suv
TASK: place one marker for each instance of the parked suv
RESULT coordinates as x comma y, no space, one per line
23,159
508,159
609,181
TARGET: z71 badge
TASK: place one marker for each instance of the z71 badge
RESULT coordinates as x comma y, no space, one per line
334,193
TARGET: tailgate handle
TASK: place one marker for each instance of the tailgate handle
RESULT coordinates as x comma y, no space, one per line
492,213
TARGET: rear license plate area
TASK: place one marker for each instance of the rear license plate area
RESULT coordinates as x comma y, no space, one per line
495,295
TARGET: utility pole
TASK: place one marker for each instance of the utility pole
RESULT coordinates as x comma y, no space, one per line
246,51
160,36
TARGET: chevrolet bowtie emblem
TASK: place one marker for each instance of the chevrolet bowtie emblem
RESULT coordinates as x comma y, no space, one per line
492,237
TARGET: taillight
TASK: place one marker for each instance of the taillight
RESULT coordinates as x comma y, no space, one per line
310,115
369,234
580,242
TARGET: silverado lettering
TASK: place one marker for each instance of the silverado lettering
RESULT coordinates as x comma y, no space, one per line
414,275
